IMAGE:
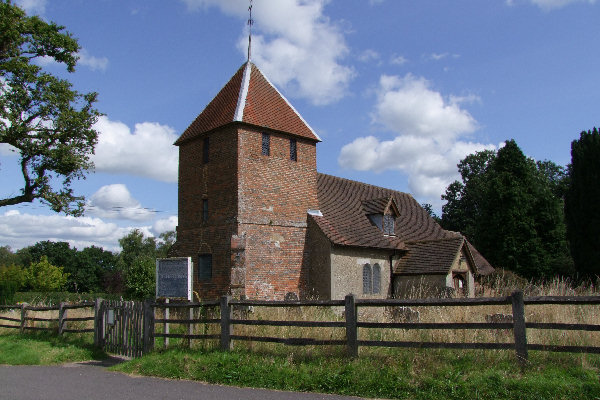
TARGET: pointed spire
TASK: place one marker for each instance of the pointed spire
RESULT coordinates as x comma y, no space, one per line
250,98
250,23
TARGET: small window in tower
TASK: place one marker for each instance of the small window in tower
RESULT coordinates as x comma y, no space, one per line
205,267
266,144
204,210
293,150
205,148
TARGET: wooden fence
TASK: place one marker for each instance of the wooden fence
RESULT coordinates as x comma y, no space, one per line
136,334
352,323
27,320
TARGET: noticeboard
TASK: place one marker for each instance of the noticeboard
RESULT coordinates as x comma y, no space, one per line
174,278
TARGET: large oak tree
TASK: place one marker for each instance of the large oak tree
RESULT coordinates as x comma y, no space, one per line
46,121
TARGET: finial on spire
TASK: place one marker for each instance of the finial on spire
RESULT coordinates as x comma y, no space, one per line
250,23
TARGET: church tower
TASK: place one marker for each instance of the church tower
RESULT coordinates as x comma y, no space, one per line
247,180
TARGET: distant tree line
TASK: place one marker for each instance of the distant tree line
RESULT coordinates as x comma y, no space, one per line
535,218
54,266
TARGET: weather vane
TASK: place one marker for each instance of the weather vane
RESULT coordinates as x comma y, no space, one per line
250,23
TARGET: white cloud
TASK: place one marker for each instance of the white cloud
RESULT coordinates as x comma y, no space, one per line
398,60
115,202
148,151
85,59
94,63
8,150
295,45
164,225
409,106
431,136
20,230
33,6
548,5
368,55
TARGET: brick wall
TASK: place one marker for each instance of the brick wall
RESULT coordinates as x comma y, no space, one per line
274,194
216,182
256,231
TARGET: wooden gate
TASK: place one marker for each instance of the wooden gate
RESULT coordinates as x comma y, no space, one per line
121,327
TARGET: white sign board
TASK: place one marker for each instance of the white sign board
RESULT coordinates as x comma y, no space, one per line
174,278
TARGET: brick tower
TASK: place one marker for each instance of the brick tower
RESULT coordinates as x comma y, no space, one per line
247,178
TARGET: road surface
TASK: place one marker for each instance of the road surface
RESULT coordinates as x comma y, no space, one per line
92,381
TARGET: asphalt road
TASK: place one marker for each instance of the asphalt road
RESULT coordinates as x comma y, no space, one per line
91,381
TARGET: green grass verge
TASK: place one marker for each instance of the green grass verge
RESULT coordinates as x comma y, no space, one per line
46,349
394,374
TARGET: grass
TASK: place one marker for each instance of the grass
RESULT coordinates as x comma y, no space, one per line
394,374
378,372
46,349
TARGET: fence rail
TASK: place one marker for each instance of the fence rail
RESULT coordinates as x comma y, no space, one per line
27,322
352,324
136,334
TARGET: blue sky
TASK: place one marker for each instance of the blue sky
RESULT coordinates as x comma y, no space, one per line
398,90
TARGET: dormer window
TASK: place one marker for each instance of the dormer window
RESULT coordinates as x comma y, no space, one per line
382,213
389,225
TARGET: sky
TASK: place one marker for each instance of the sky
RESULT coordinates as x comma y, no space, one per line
399,91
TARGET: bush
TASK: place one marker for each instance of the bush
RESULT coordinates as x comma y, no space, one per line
45,277
7,291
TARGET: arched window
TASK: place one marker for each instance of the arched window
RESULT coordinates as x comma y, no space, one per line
367,282
376,279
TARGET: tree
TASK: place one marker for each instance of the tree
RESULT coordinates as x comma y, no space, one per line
47,122
7,257
138,263
507,208
44,277
167,241
581,203
140,279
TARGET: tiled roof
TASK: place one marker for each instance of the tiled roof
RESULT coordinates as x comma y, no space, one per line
249,97
345,205
429,256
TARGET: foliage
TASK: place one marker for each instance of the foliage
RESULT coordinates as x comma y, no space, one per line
429,208
7,257
507,206
12,278
134,245
167,240
86,268
140,278
44,277
581,203
48,123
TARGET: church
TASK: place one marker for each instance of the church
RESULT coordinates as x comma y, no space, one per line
260,222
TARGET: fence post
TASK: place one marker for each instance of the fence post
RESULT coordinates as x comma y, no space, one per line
23,316
148,326
518,309
97,322
166,325
190,326
351,328
62,314
225,323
